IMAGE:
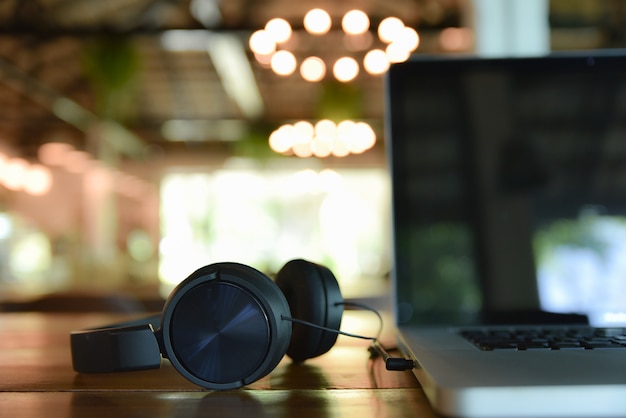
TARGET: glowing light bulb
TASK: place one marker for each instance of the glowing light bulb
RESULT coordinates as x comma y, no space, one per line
279,29
409,38
376,62
326,128
355,22
362,138
397,53
317,21
321,147
313,69
346,69
303,150
304,131
280,140
261,42
14,173
390,29
38,180
283,63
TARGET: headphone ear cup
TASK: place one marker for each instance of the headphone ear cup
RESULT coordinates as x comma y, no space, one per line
313,295
223,326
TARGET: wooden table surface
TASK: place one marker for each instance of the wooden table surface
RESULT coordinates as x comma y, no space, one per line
37,380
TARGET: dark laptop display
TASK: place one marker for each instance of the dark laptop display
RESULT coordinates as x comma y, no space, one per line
509,188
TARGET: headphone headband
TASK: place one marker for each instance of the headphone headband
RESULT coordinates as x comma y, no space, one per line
117,347
221,328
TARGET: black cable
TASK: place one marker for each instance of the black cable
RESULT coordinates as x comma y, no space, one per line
375,348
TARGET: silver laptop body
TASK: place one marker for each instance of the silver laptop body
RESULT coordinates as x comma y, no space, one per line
509,220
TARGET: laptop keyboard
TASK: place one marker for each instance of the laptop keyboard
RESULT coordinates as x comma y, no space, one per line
585,338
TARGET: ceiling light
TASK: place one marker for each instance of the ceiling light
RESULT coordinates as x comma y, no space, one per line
397,40
346,69
283,63
279,29
321,147
390,29
317,21
397,53
304,130
325,138
313,69
355,22
14,173
38,180
261,42
302,150
408,38
281,139
376,62
325,128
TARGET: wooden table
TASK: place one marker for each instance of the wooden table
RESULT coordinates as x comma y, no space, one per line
37,380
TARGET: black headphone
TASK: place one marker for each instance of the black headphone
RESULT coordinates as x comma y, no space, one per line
225,326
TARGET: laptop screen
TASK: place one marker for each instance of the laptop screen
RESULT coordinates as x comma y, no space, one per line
509,187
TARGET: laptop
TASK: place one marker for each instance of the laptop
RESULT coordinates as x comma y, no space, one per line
509,231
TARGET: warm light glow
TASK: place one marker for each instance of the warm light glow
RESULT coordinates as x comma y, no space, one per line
37,180
303,150
304,131
456,39
397,53
321,147
355,22
54,153
14,173
390,29
362,138
317,21
325,127
261,42
409,39
281,139
313,69
346,69
283,63
77,161
376,62
394,38
323,139
279,29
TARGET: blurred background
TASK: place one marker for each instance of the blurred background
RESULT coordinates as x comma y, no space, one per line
142,139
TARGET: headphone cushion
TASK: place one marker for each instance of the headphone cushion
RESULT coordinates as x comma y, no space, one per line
313,295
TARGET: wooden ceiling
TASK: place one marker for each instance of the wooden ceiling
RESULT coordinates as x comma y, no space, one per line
66,63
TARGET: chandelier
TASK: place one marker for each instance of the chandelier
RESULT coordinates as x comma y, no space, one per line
394,43
322,139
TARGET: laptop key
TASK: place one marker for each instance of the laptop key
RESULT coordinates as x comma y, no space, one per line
587,338
567,346
598,345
